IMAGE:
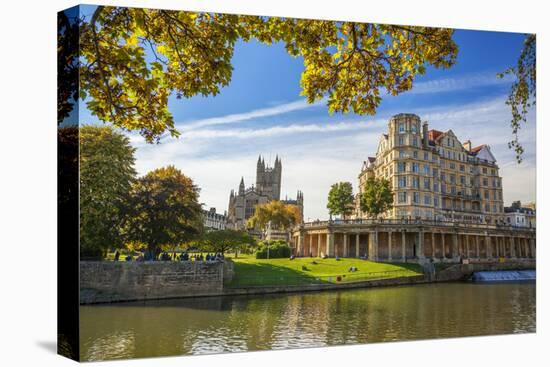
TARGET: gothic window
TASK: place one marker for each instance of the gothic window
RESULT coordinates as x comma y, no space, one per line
415,154
416,197
402,197
427,183
415,167
426,156
402,181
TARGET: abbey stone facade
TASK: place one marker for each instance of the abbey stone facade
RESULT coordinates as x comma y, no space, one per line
242,203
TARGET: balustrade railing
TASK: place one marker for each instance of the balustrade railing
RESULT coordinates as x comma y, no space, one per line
412,222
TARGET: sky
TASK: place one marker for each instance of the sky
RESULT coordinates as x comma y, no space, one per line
262,112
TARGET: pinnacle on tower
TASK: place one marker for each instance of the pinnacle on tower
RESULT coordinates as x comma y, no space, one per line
241,186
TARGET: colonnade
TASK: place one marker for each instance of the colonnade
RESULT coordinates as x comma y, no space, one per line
401,245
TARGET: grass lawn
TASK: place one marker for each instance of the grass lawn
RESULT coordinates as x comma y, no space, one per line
250,271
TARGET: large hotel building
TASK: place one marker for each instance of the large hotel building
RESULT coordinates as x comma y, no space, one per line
435,176
447,205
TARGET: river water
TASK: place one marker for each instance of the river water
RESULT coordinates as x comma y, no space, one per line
247,323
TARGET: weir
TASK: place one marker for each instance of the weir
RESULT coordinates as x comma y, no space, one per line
504,276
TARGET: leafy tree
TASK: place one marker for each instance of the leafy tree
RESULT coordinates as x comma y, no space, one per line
226,240
106,174
279,215
377,197
275,249
133,59
340,199
524,90
164,210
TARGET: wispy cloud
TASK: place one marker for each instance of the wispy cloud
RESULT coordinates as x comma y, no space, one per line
467,81
276,131
250,115
317,154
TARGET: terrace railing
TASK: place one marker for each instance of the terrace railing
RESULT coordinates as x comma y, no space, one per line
412,222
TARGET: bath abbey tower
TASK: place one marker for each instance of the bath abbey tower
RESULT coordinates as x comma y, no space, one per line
268,187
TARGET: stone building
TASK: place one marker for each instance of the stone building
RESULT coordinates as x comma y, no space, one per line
447,207
434,175
213,220
520,216
242,203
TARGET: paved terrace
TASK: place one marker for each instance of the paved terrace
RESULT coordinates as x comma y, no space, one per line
398,240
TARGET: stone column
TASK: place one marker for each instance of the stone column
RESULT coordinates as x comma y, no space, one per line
373,245
357,245
488,250
420,245
345,244
532,247
498,247
318,244
403,248
433,245
512,247
330,244
300,245
389,245
520,248
477,245
455,246
443,245
467,246
310,245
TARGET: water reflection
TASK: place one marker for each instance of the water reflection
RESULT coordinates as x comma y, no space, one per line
230,324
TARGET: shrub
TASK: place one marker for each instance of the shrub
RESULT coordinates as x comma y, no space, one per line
277,249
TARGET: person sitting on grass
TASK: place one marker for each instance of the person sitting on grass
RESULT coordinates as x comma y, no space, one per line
292,257
129,258
352,269
117,255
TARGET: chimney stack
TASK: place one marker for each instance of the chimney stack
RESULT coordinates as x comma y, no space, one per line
425,140
467,145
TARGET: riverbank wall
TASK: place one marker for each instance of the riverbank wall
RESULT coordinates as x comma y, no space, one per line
114,281
105,282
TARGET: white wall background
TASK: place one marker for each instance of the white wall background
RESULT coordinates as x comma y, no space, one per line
28,181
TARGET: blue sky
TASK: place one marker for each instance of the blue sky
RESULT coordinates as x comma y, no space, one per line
261,112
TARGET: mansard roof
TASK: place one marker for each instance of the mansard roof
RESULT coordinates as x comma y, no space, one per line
477,149
434,134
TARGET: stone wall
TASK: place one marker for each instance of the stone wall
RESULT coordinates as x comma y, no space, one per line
465,271
110,281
